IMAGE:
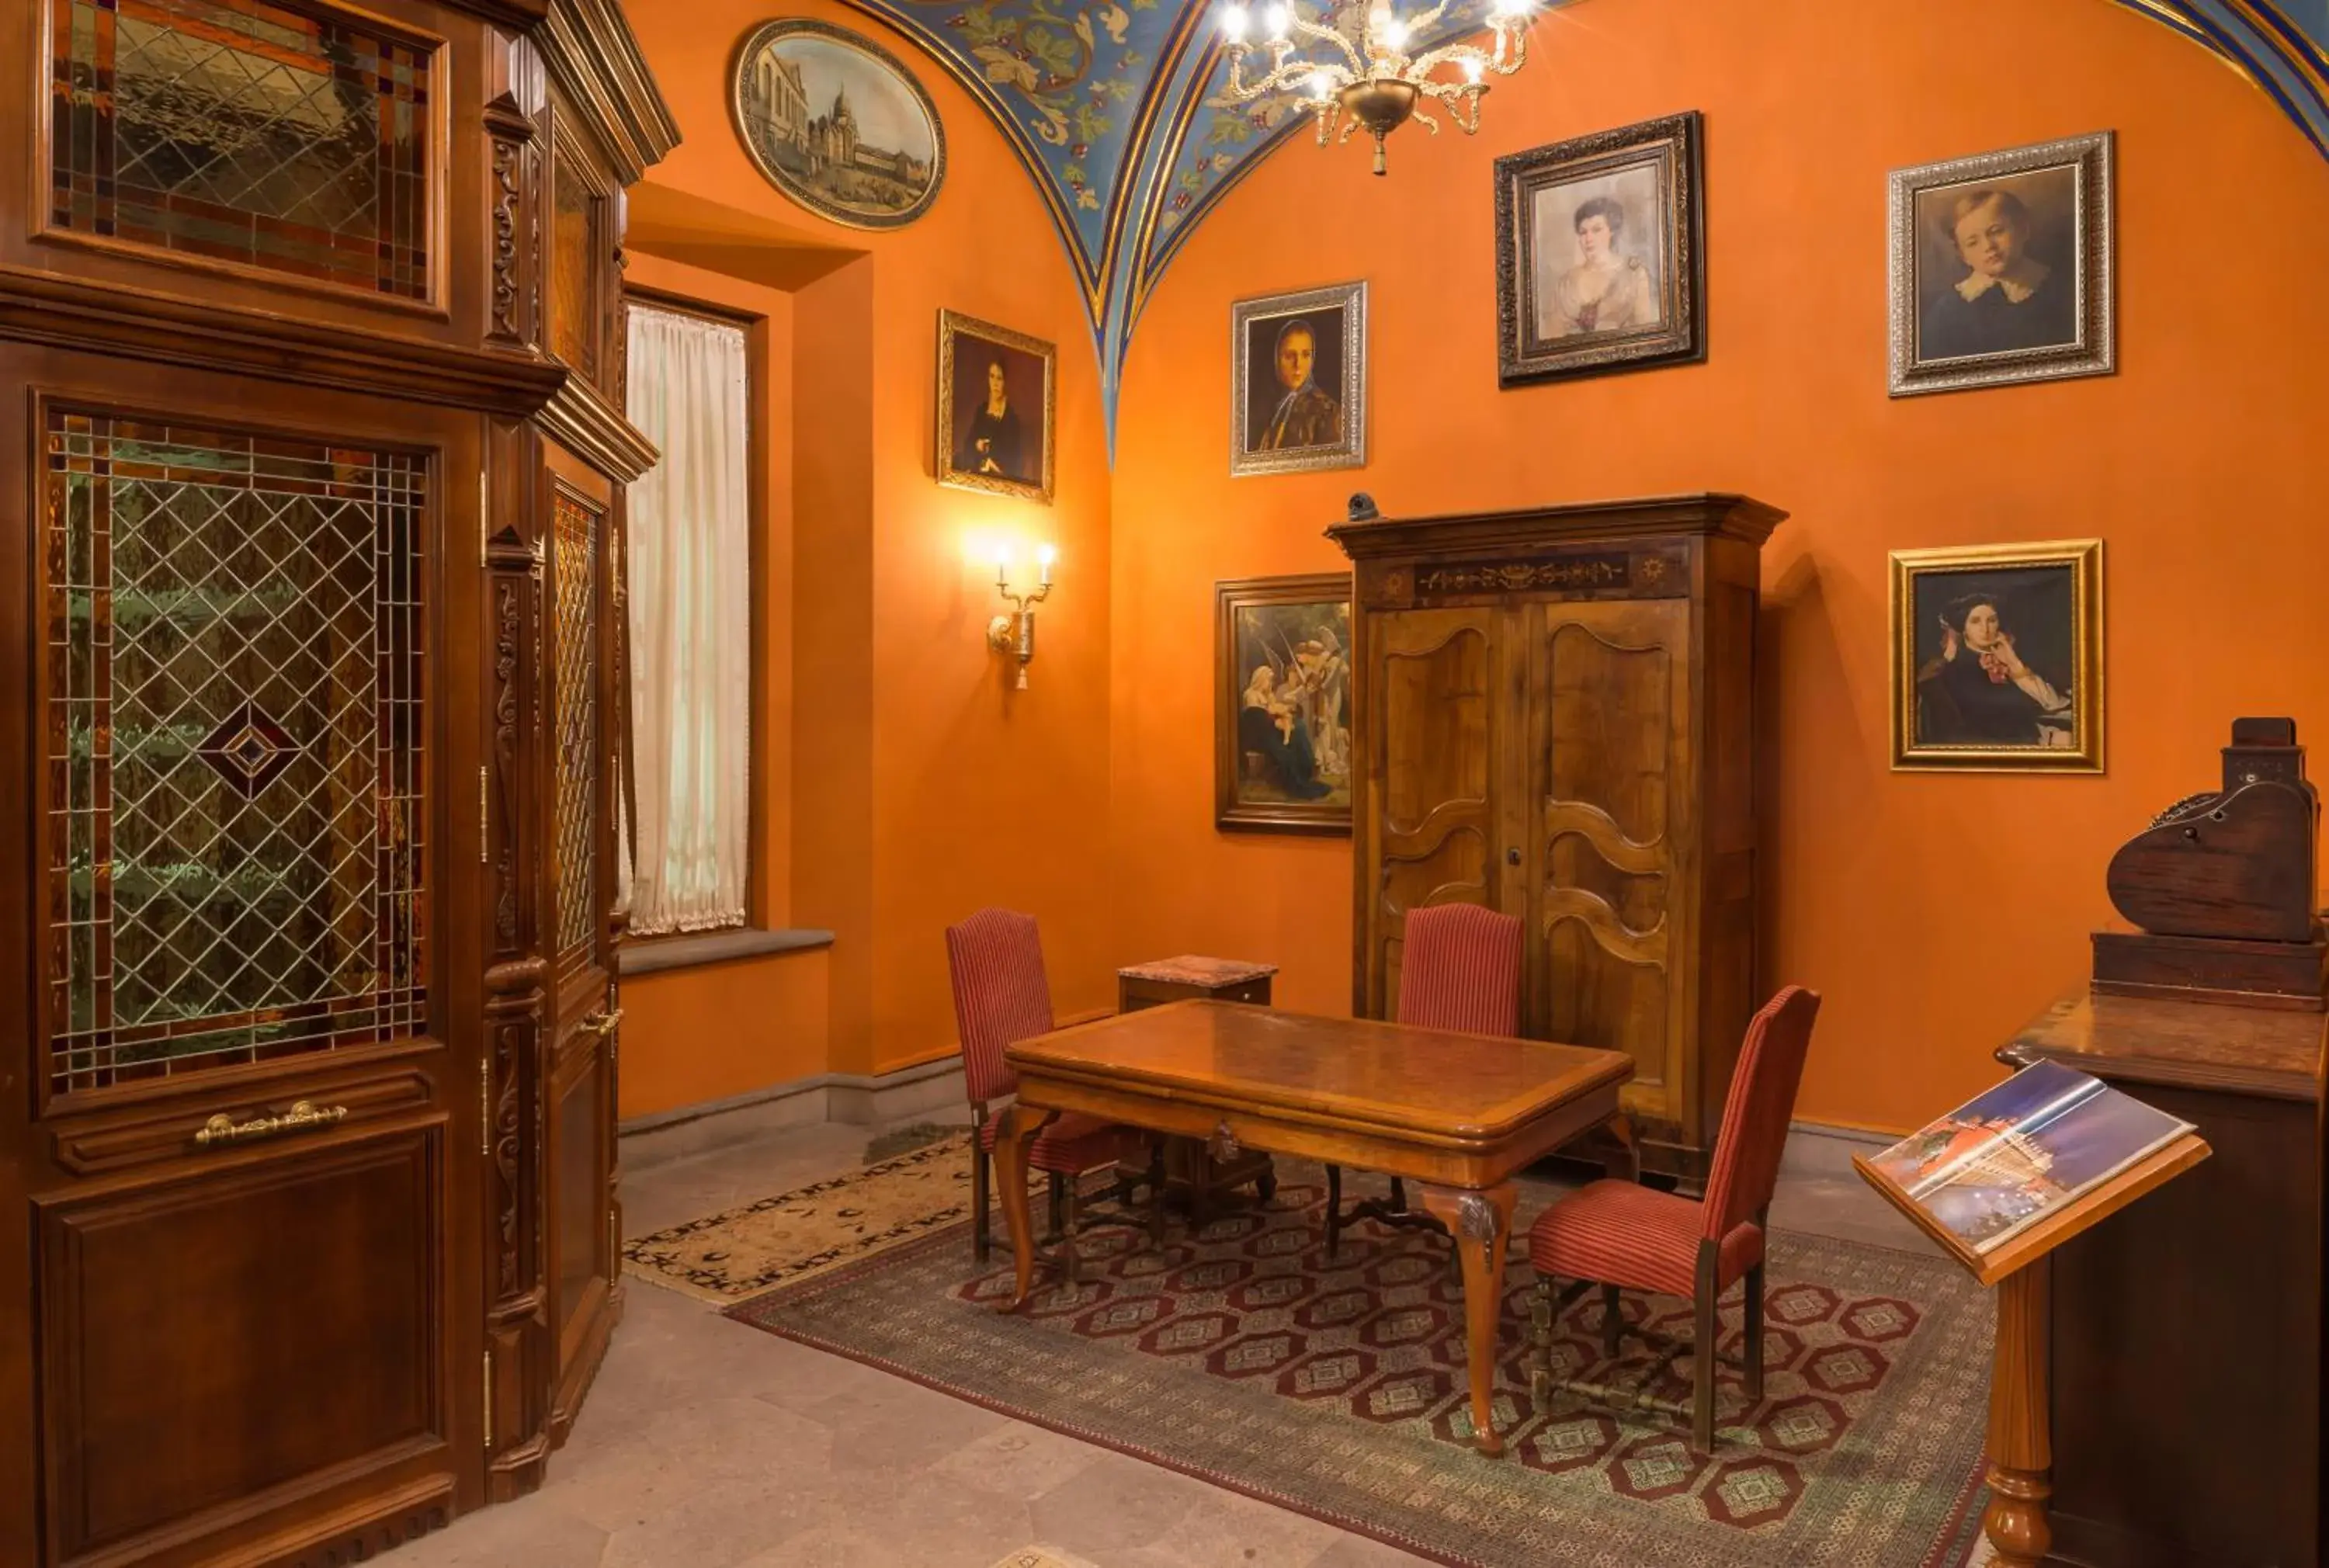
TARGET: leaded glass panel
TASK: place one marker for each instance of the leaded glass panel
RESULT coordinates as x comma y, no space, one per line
575,558
574,267
246,131
235,724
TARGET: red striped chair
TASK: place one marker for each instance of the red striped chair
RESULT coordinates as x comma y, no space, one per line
1000,998
1459,968
1623,1236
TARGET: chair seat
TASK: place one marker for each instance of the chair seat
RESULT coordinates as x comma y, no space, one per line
1620,1233
1074,1143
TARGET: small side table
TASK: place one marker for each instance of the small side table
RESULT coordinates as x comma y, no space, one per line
1191,1172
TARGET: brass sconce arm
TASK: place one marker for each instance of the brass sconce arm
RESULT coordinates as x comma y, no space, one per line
1014,634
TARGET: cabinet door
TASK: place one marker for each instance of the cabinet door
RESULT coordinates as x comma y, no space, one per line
1439,695
578,1161
1611,898
253,922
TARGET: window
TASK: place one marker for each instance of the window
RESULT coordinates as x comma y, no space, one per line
691,626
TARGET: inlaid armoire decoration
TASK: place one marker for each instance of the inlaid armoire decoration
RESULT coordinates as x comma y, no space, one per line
1555,719
313,477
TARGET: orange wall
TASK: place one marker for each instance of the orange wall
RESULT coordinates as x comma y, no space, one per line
920,787
1937,912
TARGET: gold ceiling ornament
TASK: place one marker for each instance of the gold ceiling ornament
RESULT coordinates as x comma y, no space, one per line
1376,83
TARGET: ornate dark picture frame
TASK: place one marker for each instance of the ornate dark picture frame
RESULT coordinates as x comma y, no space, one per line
789,134
1602,226
1997,658
971,352
1318,422
1282,653
2049,315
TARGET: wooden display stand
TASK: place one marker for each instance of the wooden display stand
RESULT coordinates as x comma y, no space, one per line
1192,1175
2021,1440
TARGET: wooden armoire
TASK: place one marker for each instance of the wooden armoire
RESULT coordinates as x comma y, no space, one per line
1555,715
311,476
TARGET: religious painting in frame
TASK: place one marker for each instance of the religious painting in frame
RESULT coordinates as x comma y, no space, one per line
997,403
837,123
1282,749
1298,382
2002,267
1599,263
1997,658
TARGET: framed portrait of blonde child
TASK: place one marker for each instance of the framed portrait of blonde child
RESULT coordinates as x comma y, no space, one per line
2003,268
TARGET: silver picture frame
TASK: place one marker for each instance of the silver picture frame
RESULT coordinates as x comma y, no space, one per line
2080,232
1250,320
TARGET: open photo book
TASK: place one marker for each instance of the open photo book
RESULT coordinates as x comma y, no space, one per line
2012,1154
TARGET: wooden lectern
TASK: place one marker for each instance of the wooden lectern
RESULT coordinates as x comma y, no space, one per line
2021,1442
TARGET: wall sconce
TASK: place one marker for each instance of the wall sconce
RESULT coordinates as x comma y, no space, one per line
1014,634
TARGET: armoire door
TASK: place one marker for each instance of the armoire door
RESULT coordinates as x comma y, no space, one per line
235,862
579,1155
1611,901
1439,689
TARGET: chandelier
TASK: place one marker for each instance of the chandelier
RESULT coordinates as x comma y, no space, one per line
1370,76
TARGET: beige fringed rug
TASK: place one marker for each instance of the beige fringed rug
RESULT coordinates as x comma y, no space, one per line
725,1258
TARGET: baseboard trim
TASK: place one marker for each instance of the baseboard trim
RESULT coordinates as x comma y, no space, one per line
854,1097
1860,1135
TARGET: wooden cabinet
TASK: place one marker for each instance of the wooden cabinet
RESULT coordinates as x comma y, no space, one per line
1555,718
306,1082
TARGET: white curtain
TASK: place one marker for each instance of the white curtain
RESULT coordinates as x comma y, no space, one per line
691,615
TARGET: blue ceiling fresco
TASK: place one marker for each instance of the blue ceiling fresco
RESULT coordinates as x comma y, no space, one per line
1111,108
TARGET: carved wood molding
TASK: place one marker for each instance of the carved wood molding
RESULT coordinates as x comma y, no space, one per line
591,50
121,1142
581,419
518,13
1729,516
65,312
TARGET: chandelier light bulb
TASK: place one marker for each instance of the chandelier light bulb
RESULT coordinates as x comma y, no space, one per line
1275,20
1233,22
1320,86
1394,35
1472,69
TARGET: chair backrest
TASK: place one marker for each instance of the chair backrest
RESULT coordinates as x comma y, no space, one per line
1000,995
1754,1117
1459,968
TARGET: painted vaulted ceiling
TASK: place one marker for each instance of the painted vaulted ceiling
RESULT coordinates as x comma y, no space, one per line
1110,106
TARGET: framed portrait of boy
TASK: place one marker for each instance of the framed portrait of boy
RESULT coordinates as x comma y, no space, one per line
2002,267
1298,382
996,409
1282,727
1997,658
1599,266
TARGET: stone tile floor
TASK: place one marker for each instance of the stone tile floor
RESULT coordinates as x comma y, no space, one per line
707,1444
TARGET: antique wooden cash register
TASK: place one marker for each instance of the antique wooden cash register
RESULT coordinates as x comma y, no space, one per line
2187,1393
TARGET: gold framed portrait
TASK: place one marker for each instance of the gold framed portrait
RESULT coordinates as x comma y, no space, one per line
2003,268
1997,658
1282,725
997,409
1298,382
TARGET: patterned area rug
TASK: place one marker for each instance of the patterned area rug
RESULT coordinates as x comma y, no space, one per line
796,1235
1240,1355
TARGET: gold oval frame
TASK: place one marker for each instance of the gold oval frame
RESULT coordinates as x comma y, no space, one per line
769,33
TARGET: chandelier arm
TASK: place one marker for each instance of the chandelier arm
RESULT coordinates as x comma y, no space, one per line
1432,60
1358,62
1425,23
1423,120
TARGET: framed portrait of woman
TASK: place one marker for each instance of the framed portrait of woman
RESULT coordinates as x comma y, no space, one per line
1997,658
996,402
1298,382
1282,751
1598,262
2002,267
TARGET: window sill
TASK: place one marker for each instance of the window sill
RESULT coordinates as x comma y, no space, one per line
653,955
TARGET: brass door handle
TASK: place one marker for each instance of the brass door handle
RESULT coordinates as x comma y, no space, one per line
305,1113
602,1024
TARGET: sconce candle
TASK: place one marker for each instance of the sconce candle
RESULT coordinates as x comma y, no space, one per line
1014,634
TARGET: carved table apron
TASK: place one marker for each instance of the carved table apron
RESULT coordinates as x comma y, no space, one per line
1457,1114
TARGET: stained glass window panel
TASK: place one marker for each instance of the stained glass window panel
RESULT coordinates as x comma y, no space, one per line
235,725
575,576
573,267
244,131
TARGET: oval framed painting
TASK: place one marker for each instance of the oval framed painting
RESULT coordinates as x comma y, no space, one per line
837,123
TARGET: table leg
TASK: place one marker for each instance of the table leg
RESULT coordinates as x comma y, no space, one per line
2020,1449
1020,1124
1481,1224
1629,1166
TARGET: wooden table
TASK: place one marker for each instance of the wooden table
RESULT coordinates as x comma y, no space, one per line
1457,1114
